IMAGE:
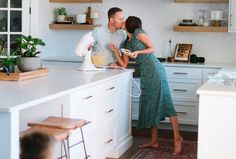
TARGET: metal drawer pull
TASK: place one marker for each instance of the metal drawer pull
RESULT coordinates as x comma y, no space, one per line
231,19
88,97
111,88
185,113
109,111
180,73
107,142
180,90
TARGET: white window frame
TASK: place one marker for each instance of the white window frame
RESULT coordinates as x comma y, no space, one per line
25,24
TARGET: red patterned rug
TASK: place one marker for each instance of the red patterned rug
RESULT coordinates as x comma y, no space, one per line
189,151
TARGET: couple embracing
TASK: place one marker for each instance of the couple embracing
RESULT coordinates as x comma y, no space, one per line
155,100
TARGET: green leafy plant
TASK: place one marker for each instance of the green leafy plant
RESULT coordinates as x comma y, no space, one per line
9,61
61,11
28,46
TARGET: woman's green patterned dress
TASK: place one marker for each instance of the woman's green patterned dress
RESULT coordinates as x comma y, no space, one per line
155,101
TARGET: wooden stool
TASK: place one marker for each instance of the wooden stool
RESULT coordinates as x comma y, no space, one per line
66,124
57,134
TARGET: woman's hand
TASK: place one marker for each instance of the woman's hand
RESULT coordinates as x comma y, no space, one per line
134,54
113,48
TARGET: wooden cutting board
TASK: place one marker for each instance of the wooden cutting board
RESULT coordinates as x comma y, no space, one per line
20,76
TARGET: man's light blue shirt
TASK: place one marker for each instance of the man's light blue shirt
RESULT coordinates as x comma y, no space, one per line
103,37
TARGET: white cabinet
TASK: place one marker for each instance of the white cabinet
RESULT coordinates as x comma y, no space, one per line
107,107
208,72
232,16
183,83
216,133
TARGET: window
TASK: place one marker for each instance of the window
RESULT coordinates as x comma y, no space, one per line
14,21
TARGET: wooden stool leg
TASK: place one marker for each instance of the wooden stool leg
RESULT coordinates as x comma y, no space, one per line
85,152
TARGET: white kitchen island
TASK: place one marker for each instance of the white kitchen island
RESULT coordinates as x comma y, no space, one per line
100,97
217,122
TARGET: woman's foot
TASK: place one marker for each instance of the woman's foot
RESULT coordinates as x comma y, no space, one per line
150,144
178,146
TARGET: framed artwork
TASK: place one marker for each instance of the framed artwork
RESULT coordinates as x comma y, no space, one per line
182,52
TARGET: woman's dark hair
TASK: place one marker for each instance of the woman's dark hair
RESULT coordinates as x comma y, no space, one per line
113,11
35,145
133,23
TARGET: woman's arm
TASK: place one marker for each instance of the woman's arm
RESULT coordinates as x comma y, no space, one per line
122,60
147,42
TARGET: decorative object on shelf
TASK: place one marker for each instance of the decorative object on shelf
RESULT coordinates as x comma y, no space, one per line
182,52
195,59
187,22
60,14
171,57
91,15
70,19
81,18
216,17
28,60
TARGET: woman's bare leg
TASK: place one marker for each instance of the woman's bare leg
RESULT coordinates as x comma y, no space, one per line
177,138
154,142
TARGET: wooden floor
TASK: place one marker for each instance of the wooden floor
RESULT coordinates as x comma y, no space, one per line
143,136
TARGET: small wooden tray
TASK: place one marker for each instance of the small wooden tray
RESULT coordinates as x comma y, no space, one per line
20,76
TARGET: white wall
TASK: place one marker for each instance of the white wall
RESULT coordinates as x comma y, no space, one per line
159,17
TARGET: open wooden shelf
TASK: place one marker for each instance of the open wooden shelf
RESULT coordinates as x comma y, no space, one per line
199,29
202,1
71,26
76,1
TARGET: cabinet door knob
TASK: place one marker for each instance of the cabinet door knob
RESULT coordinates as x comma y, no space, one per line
110,140
180,73
88,97
180,90
231,19
111,88
184,113
109,111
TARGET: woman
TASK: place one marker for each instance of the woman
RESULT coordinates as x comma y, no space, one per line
155,100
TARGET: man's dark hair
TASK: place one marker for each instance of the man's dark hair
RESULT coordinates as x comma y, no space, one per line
34,145
133,23
112,11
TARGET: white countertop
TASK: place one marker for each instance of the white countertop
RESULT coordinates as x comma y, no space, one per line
217,86
62,79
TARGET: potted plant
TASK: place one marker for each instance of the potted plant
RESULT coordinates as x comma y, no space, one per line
8,64
60,14
28,60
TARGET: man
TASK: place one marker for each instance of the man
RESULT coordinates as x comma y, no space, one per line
110,34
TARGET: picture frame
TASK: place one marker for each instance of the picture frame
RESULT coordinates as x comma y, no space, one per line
182,52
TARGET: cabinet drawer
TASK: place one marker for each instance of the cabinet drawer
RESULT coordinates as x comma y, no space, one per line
105,138
183,72
187,113
107,110
184,91
88,95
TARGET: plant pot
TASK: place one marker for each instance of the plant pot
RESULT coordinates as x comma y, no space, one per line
29,63
61,18
9,69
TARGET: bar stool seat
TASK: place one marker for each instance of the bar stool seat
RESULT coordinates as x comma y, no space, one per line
60,123
66,124
57,134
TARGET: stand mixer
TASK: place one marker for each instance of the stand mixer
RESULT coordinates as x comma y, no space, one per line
83,50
